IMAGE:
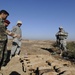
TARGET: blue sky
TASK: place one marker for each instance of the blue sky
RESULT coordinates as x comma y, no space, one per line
41,18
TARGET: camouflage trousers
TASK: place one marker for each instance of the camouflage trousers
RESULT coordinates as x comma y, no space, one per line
62,45
3,51
16,46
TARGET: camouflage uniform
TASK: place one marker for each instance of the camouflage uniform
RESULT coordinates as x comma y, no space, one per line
2,41
16,44
61,37
5,52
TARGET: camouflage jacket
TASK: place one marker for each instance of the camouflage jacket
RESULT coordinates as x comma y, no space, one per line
61,35
17,30
3,35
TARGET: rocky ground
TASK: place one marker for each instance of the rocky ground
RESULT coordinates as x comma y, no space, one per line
38,58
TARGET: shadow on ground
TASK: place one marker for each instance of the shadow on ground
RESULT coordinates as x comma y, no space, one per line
48,49
66,55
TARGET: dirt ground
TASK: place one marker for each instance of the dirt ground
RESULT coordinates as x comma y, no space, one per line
33,49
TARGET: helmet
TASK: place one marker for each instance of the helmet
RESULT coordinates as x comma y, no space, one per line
7,21
60,27
20,22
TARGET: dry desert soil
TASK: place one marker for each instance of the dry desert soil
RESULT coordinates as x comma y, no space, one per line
37,58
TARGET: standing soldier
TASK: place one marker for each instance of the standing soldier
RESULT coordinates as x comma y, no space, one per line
16,44
61,37
3,15
6,23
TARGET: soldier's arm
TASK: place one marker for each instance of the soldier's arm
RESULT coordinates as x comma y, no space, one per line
12,34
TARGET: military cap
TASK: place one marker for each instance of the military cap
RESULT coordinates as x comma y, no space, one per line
19,22
7,21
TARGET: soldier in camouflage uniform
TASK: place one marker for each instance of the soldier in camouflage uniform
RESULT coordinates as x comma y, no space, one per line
3,15
6,23
61,37
16,44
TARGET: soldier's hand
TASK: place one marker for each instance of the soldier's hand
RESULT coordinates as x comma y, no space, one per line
15,35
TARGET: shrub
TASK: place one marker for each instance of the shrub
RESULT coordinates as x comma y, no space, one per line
71,49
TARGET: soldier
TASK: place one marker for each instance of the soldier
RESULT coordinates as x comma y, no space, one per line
61,37
6,23
3,15
16,44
